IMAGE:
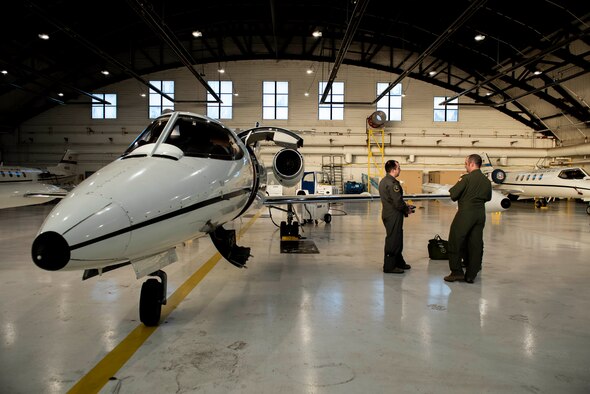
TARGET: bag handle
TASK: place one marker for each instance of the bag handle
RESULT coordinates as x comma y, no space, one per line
437,237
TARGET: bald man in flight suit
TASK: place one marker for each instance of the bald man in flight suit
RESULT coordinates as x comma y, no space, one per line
393,213
466,233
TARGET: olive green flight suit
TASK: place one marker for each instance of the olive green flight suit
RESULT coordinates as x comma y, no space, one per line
466,233
393,212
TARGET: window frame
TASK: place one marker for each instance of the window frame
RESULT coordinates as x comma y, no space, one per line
332,108
103,107
446,109
393,95
162,103
276,96
224,109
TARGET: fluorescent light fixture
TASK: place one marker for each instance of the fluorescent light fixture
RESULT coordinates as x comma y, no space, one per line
306,94
105,72
4,72
488,93
403,95
221,70
432,73
44,36
197,34
317,34
143,95
537,72
309,71
60,94
236,94
479,37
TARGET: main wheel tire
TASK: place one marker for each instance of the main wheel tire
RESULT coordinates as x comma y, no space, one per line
588,209
327,218
538,203
150,302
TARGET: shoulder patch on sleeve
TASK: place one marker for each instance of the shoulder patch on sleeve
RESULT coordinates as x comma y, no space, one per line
396,188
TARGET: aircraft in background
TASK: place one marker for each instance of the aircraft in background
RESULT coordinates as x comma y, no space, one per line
23,186
183,177
498,203
540,184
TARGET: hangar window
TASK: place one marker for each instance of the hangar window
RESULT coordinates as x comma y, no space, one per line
197,137
446,112
223,110
334,107
275,100
391,103
159,103
107,110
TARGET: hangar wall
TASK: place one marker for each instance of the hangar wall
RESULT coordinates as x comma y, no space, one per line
417,141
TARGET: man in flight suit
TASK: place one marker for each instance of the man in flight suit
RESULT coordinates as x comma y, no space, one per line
393,213
466,233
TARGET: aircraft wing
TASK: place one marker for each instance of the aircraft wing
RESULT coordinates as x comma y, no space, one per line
28,193
46,195
498,203
506,190
364,197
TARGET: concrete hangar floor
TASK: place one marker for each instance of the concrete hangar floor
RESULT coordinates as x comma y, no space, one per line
312,323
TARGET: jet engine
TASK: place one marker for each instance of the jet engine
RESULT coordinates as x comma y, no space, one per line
498,203
288,167
498,176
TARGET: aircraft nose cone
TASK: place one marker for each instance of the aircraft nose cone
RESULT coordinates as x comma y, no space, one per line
50,251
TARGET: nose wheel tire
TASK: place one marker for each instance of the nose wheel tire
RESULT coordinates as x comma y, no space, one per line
150,302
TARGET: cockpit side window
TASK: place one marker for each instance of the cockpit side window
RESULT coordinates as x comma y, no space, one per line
199,138
573,173
149,135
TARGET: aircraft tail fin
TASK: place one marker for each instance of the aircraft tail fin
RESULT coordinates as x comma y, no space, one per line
486,164
68,165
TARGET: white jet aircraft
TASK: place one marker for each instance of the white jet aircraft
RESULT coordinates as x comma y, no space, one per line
498,203
22,186
183,177
540,184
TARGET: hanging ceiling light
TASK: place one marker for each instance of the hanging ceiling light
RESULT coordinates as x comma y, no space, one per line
479,37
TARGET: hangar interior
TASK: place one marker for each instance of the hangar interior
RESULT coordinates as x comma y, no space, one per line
516,79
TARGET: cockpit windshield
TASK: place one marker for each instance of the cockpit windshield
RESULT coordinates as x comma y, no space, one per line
149,135
573,173
199,137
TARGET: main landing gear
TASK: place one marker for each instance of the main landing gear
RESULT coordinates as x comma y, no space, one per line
290,228
540,202
153,296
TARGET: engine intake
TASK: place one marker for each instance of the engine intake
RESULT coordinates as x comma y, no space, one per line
287,166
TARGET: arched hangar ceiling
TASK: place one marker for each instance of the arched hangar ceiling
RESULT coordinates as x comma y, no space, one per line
532,51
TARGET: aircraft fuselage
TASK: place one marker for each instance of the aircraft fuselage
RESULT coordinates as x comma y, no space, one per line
152,198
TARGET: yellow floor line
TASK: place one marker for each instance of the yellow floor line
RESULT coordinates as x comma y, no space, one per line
98,376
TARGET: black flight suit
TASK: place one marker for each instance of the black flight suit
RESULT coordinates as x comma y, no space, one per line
393,213
466,233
